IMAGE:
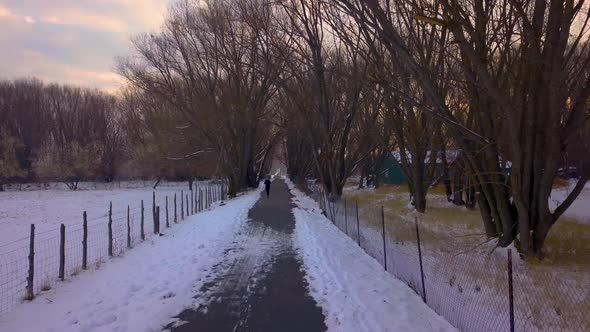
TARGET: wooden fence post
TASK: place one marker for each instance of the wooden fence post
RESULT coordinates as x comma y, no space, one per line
62,252
420,258
167,223
142,230
85,241
384,247
128,227
510,290
186,204
181,205
175,210
154,206
192,202
358,226
157,220
111,229
31,276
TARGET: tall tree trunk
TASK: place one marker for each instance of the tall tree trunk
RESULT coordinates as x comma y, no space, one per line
486,216
362,179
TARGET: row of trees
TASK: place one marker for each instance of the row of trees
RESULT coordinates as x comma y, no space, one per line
342,83
69,134
56,132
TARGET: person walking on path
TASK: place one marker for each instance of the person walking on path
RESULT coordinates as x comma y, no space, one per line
267,186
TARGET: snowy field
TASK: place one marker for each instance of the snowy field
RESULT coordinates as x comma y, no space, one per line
355,293
143,289
48,208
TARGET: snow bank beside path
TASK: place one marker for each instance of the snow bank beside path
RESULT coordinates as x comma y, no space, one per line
143,289
356,294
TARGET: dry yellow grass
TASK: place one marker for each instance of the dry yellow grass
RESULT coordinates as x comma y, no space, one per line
568,243
555,282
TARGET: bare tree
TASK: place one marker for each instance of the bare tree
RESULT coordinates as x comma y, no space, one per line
10,167
333,74
524,65
214,64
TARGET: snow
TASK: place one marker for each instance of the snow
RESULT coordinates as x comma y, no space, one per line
355,292
143,289
47,209
580,209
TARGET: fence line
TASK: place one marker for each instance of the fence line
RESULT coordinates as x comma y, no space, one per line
36,263
472,291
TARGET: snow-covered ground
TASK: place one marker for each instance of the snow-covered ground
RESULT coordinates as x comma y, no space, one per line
355,293
143,289
47,209
580,209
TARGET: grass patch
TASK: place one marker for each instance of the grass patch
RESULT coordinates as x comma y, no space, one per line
568,244
551,293
445,225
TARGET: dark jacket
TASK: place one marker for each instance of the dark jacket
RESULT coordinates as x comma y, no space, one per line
267,183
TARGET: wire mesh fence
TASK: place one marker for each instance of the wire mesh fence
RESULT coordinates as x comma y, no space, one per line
33,264
474,290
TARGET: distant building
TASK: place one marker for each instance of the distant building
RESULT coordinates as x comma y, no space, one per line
393,174
392,171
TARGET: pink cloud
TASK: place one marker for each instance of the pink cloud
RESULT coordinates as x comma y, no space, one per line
71,53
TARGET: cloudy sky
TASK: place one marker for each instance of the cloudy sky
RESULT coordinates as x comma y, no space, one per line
72,41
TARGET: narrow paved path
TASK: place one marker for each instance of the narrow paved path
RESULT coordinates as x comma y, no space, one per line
260,284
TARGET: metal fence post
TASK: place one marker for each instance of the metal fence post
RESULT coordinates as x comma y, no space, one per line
111,229
331,208
175,210
195,202
345,218
510,290
31,276
420,258
62,252
85,241
187,205
181,205
358,227
384,247
192,202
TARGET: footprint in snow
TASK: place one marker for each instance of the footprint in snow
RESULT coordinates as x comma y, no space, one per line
168,295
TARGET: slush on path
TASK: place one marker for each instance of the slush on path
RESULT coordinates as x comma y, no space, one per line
260,284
